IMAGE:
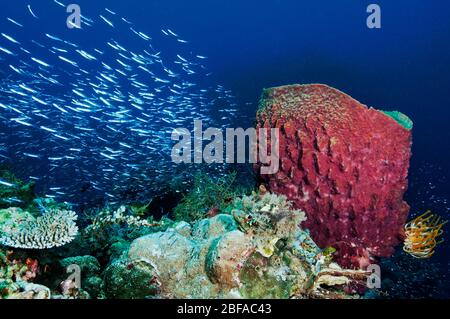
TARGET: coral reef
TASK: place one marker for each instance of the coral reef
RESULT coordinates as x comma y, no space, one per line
344,164
254,249
22,278
207,197
256,252
111,231
20,229
15,277
106,219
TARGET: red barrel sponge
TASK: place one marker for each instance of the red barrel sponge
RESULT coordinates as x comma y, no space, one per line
344,164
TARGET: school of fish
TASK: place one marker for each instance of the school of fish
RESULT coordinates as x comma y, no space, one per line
99,116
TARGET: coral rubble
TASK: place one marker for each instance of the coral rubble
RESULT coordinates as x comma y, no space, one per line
344,164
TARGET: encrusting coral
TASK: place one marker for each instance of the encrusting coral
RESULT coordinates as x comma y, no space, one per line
20,229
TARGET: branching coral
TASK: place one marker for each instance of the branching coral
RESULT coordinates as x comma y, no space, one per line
109,228
421,234
105,219
54,228
263,202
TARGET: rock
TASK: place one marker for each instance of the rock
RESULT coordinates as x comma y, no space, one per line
183,228
226,256
344,283
30,291
332,280
125,279
344,164
215,226
168,253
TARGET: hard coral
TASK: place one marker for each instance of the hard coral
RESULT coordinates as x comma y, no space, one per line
227,256
19,229
344,164
113,228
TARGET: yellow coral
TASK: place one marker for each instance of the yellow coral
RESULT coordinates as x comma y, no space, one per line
421,234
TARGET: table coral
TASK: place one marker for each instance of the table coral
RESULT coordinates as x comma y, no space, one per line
20,229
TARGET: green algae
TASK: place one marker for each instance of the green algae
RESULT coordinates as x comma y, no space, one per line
20,195
207,194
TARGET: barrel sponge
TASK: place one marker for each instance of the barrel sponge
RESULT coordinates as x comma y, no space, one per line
54,228
344,164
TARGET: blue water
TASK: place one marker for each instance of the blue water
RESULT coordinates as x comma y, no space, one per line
252,45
